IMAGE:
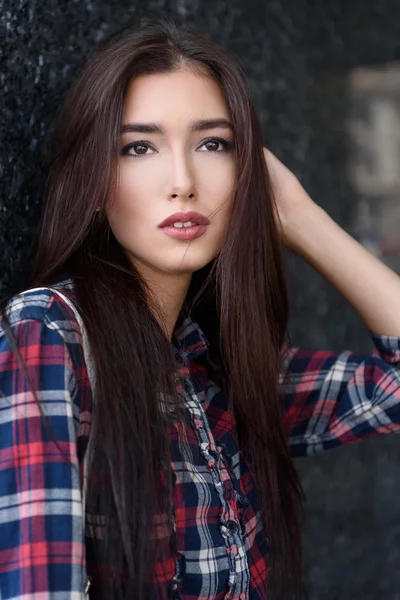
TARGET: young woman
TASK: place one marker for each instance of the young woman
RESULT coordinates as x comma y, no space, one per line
161,227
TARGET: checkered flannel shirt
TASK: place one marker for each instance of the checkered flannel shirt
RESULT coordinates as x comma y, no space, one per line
329,399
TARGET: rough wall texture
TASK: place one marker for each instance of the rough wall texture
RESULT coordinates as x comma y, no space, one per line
292,51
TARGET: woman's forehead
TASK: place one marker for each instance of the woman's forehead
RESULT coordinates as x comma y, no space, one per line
180,96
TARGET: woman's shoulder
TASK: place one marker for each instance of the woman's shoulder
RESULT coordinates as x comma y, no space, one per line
46,305
45,327
36,302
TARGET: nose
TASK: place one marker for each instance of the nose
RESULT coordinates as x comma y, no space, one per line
183,180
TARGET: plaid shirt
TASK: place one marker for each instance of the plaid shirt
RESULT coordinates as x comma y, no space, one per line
329,399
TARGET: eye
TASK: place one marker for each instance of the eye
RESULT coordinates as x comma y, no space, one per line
140,149
213,143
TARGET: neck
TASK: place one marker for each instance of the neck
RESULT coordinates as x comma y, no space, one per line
169,292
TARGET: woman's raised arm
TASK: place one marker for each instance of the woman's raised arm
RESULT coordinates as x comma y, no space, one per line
332,399
371,287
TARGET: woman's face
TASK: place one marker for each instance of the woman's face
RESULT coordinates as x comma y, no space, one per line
173,159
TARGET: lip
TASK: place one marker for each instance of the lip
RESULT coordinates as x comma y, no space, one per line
183,217
184,233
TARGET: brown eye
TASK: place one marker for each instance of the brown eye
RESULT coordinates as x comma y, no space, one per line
217,145
212,145
136,149
139,148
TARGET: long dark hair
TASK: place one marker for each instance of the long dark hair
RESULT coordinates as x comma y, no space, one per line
246,303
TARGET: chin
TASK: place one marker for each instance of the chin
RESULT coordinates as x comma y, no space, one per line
185,267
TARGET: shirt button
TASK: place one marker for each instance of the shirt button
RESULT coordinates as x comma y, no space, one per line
214,454
222,446
232,527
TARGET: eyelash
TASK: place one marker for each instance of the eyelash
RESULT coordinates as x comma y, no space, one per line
228,147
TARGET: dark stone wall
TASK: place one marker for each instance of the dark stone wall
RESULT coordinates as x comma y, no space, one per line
292,51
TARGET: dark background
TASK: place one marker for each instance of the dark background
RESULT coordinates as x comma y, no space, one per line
297,55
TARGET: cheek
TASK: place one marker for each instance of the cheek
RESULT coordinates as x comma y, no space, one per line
131,183
132,196
220,193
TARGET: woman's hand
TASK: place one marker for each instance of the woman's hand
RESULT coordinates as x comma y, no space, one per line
292,200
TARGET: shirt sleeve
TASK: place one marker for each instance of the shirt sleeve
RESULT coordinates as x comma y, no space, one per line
42,551
332,399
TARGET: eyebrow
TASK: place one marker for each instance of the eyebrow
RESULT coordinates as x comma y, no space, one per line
202,125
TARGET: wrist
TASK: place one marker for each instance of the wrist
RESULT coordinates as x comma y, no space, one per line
304,230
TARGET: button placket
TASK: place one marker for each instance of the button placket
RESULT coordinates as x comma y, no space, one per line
234,544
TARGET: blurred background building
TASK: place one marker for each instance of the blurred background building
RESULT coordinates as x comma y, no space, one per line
374,158
325,78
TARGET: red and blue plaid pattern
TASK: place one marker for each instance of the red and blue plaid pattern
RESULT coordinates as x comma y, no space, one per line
329,399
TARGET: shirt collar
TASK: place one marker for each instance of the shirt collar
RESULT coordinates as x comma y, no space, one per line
192,341
190,337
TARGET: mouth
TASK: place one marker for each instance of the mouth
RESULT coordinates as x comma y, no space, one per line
180,224
185,220
185,225
184,231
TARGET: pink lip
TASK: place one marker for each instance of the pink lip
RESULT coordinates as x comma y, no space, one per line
184,233
183,217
